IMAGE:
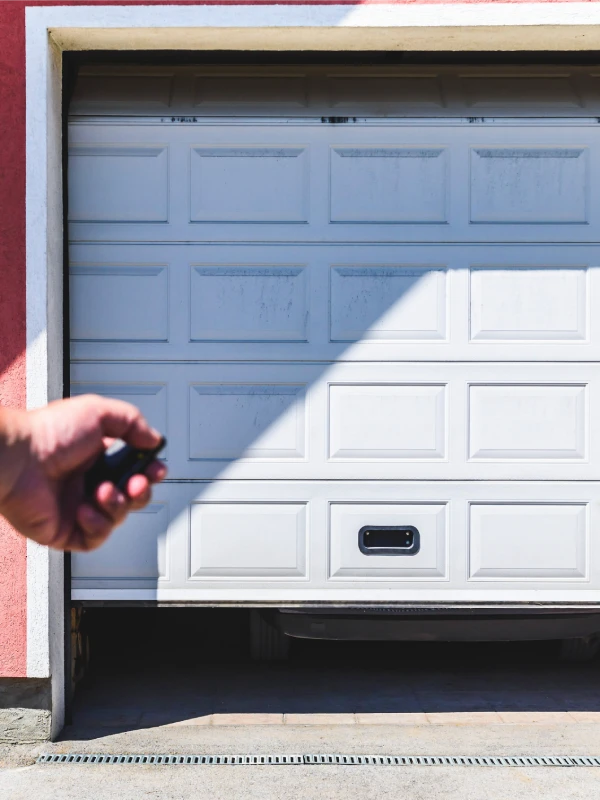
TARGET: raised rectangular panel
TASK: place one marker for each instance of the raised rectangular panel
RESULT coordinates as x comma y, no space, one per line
150,398
138,551
346,561
387,421
118,183
416,90
528,303
388,303
246,421
525,91
119,302
246,89
122,91
527,422
248,540
232,183
388,184
248,303
520,541
529,184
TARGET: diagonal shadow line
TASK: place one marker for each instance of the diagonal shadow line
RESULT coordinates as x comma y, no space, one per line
380,299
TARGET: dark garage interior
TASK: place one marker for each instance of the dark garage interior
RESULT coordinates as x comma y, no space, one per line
156,666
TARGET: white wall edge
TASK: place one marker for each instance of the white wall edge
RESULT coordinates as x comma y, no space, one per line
36,323
45,590
483,14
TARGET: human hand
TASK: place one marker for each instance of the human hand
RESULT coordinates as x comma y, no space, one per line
43,457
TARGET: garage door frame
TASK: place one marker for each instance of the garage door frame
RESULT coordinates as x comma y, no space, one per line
51,30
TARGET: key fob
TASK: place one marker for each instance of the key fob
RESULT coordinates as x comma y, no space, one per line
118,463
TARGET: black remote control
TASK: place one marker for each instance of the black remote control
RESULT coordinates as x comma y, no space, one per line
118,464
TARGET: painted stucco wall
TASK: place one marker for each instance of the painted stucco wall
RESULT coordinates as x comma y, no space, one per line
13,551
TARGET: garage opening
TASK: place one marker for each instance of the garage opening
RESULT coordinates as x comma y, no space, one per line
192,667
359,301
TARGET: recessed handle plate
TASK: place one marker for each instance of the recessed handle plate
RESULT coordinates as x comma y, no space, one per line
389,540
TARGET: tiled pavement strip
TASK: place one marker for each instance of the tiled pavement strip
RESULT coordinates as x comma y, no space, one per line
417,718
118,719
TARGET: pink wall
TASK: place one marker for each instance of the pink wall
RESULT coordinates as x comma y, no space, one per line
13,551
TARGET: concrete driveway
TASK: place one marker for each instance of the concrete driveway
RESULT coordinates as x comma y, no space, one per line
486,700
277,783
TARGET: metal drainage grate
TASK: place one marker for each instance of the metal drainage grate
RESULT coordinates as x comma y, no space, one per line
96,758
454,761
328,758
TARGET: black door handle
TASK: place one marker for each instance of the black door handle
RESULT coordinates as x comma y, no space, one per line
389,540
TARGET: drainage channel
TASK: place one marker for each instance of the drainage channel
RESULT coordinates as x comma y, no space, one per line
287,759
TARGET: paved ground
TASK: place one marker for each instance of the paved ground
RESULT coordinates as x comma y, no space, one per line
342,698
49,782
292,783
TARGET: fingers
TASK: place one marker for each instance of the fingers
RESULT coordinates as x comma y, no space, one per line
138,486
121,420
94,528
93,524
115,505
138,491
156,471
68,435
111,502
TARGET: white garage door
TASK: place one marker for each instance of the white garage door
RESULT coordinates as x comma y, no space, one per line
387,319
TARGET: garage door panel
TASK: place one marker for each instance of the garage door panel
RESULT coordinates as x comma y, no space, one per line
388,184
138,555
534,303
217,92
343,302
119,182
383,422
248,540
347,560
249,303
480,541
388,303
150,398
124,92
113,302
526,91
384,93
249,184
247,421
529,185
354,182
520,541
360,421
528,422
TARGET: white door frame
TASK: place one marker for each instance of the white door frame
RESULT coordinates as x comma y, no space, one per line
50,30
